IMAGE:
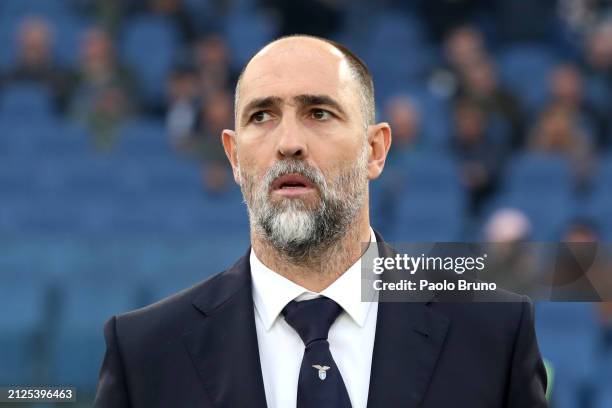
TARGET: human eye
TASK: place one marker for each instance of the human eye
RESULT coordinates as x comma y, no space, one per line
321,114
260,117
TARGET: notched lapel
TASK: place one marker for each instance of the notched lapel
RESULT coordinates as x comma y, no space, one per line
223,346
409,338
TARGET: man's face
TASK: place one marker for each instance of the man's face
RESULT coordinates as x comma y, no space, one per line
300,145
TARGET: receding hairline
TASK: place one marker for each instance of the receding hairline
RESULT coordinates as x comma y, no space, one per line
356,66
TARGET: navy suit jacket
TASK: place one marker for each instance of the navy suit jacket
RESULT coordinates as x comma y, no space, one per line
198,348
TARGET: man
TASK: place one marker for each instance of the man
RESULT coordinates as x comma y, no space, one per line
285,326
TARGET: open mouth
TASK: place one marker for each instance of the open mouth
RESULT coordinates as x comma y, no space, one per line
291,184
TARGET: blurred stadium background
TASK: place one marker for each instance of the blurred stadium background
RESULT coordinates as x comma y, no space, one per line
114,190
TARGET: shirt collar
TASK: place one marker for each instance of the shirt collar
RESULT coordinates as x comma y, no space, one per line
272,291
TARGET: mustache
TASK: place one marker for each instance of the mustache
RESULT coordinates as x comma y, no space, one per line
293,166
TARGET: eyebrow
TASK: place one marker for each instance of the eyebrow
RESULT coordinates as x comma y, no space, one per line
310,100
302,101
261,103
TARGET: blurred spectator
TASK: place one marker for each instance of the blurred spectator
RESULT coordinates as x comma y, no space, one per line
35,61
183,104
510,260
557,131
443,16
405,120
176,12
507,225
215,177
111,14
583,230
203,140
480,157
216,115
598,50
567,89
597,69
322,18
578,270
108,14
480,84
212,58
462,48
105,95
605,316
581,15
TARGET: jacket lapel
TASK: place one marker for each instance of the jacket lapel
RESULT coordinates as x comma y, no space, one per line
408,341
224,345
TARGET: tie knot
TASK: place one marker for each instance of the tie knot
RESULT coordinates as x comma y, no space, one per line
311,319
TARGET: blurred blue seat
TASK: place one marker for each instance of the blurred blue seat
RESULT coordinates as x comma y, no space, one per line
599,203
78,343
148,216
382,203
431,172
566,335
547,175
192,260
429,199
88,176
598,93
525,69
158,177
393,28
21,302
602,183
26,214
43,139
603,399
39,7
25,100
149,44
19,176
395,53
205,213
141,137
423,218
195,259
68,30
548,217
540,185
224,212
200,12
246,33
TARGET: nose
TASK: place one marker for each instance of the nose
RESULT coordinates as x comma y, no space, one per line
292,140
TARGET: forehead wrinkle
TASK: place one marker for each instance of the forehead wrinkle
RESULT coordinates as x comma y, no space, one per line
347,79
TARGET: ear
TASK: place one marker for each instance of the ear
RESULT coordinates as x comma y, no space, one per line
228,138
379,141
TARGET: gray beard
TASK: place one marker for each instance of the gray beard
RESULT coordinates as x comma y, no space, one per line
295,231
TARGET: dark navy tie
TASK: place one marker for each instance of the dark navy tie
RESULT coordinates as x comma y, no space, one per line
320,384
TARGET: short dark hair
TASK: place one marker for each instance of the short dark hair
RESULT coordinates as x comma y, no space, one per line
357,66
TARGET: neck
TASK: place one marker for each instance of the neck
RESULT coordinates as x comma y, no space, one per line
322,268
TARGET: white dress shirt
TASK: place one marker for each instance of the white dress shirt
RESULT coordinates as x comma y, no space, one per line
351,336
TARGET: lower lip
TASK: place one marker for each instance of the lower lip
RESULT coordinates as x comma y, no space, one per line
293,191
